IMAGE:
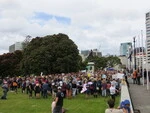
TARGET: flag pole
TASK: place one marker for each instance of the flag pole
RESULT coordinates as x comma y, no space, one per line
139,54
134,50
147,77
142,56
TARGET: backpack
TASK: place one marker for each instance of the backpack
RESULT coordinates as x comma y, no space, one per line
14,84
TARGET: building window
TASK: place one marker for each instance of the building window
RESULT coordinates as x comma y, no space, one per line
147,15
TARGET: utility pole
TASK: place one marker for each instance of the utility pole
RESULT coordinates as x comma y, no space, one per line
134,53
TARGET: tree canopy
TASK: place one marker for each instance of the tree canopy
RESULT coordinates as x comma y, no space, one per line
51,54
10,64
103,62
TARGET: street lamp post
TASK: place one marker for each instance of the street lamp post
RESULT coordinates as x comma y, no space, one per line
130,57
134,53
127,55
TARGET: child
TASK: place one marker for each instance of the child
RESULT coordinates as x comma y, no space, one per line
53,104
127,106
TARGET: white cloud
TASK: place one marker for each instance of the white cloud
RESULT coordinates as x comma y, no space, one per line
102,24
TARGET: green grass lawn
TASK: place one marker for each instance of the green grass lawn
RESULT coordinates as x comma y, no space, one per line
20,103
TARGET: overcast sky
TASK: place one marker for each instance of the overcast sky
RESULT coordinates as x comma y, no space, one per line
101,24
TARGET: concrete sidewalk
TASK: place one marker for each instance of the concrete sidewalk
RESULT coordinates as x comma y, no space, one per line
140,97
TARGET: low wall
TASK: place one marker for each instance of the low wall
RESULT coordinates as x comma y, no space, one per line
126,95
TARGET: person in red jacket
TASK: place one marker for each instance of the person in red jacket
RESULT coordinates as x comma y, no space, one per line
134,77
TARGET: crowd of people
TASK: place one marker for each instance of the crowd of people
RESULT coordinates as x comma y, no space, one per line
138,74
71,84
101,83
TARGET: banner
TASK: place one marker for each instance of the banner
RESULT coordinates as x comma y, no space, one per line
118,75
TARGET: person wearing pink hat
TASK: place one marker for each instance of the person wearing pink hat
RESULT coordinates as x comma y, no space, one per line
37,90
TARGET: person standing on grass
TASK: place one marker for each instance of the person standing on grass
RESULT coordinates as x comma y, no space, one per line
87,89
58,101
69,89
37,90
104,87
45,88
108,88
23,86
5,90
64,89
30,90
113,91
74,88
15,85
95,88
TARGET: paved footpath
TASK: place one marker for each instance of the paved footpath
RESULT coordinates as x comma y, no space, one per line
140,97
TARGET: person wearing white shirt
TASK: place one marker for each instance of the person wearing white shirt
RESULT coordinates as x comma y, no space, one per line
113,91
114,82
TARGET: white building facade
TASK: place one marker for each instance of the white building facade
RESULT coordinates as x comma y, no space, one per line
148,36
124,48
14,47
147,19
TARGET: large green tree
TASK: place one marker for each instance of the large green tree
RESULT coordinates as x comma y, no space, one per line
103,62
51,54
10,64
112,61
100,63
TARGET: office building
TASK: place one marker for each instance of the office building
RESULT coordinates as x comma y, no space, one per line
148,36
85,52
95,52
124,48
14,47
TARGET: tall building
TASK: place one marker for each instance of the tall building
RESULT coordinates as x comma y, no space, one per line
85,52
95,52
124,47
140,56
129,61
141,60
14,47
148,36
